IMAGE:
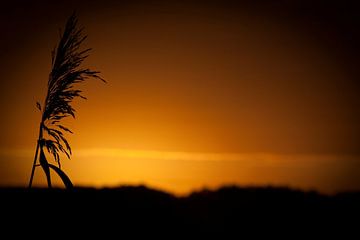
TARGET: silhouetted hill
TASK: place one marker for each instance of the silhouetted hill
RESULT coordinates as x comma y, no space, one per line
139,211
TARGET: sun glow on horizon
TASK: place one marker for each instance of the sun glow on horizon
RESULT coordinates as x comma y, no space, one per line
182,172
179,155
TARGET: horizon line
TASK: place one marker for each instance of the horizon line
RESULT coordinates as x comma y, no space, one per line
182,155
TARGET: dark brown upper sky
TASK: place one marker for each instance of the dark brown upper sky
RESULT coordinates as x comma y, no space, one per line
258,76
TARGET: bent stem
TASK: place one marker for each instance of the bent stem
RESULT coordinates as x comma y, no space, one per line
36,156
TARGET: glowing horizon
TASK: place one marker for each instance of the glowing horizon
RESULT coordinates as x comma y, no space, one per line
183,172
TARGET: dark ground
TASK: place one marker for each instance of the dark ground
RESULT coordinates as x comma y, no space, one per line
228,213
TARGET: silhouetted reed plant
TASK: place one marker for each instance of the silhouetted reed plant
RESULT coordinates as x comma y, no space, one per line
66,72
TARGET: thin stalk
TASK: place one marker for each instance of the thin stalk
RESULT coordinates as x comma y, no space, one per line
38,142
36,156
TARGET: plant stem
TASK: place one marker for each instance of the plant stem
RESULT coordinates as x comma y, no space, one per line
36,156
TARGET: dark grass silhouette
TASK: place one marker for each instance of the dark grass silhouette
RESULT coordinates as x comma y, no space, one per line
225,213
66,72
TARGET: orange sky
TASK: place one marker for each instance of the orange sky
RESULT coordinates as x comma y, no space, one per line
197,95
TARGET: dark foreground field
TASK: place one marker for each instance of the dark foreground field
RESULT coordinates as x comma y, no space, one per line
138,211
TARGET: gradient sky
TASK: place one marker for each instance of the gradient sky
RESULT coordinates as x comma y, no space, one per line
198,95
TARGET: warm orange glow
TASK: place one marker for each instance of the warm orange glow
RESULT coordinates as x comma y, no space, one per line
196,97
182,172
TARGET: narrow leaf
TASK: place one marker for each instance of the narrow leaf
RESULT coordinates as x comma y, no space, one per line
66,180
64,128
38,105
45,166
